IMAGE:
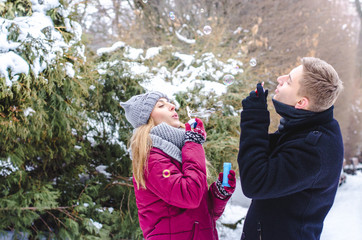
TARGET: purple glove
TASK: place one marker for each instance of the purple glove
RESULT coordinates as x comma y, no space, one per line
198,135
221,191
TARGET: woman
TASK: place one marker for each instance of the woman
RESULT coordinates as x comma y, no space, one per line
169,173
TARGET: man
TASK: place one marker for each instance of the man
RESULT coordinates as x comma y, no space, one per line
292,175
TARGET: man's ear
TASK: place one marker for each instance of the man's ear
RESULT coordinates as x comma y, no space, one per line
303,103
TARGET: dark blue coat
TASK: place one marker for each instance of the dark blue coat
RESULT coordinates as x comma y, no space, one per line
292,176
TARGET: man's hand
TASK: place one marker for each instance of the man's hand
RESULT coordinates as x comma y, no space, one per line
256,99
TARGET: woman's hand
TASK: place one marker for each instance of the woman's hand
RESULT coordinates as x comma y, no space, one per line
231,181
198,134
221,191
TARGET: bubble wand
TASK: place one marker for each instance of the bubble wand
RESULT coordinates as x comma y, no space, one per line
225,179
192,121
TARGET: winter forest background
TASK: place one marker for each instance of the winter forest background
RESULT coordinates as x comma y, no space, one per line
65,65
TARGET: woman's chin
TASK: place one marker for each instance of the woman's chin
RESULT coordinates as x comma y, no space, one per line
176,124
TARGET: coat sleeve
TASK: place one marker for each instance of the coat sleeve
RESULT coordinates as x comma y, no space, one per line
217,205
294,168
185,188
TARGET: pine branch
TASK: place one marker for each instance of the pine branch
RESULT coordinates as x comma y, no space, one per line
35,229
59,28
120,208
233,225
57,219
120,183
50,230
73,217
86,186
37,208
124,178
129,209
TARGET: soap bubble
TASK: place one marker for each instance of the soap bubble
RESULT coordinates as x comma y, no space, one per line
144,1
253,62
172,16
228,79
207,29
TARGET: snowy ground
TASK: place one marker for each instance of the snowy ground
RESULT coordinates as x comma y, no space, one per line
343,222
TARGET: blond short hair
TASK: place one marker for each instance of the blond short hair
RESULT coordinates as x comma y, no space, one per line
320,84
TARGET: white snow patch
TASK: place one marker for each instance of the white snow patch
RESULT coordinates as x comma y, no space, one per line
96,224
69,70
15,63
133,53
102,169
114,47
28,111
152,52
343,221
7,167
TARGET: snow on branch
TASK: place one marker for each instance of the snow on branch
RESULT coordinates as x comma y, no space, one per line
182,38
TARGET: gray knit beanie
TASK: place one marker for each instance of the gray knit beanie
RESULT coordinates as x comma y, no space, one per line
138,108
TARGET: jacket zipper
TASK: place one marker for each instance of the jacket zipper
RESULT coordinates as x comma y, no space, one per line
259,230
196,230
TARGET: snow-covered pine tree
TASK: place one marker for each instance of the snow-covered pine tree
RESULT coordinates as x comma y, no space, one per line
110,185
42,123
64,166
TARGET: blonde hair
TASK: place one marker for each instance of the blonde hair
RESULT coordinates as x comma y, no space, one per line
321,83
141,145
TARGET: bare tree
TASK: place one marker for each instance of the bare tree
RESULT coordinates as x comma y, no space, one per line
104,23
359,48
352,96
276,33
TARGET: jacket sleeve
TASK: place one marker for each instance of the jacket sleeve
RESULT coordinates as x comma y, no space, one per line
217,205
294,168
185,188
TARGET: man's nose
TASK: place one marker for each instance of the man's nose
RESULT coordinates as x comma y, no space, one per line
280,79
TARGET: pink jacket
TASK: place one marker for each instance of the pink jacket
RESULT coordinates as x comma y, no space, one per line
177,204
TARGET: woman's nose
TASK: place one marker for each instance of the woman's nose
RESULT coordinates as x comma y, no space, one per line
172,107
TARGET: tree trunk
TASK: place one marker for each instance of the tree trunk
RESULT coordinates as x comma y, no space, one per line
359,47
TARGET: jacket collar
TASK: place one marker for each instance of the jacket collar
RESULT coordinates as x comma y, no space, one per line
297,118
